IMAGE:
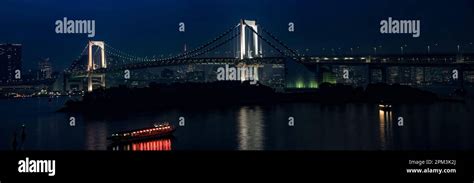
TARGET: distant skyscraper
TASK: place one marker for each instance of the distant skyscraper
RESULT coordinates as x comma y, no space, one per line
10,60
45,69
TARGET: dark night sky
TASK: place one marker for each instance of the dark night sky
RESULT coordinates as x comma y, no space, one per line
147,28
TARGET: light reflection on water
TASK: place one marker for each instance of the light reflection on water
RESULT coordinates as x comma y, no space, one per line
96,135
385,130
150,145
435,126
251,129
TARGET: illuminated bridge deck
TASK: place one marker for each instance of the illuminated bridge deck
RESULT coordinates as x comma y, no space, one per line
434,60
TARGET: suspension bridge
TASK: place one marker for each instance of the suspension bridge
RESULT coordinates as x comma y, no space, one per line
247,41
244,38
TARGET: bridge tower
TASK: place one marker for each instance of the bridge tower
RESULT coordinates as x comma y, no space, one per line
249,50
103,63
91,66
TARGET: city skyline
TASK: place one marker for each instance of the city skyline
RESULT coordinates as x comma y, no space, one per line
320,27
334,84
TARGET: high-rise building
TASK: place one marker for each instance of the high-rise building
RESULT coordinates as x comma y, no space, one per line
45,69
10,61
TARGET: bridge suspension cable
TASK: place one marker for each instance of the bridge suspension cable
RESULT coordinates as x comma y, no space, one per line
125,60
188,54
76,61
116,52
293,54
185,54
216,46
280,42
268,42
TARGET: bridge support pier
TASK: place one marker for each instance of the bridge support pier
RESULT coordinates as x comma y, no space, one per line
72,83
95,79
89,82
248,72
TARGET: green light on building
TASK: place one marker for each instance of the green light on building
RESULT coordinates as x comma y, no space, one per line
300,84
329,77
313,84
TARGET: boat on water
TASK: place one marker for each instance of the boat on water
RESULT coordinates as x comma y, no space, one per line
155,132
161,144
385,107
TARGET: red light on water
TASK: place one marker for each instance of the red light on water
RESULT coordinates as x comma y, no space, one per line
155,145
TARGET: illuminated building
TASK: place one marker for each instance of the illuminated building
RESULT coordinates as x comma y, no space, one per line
10,60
